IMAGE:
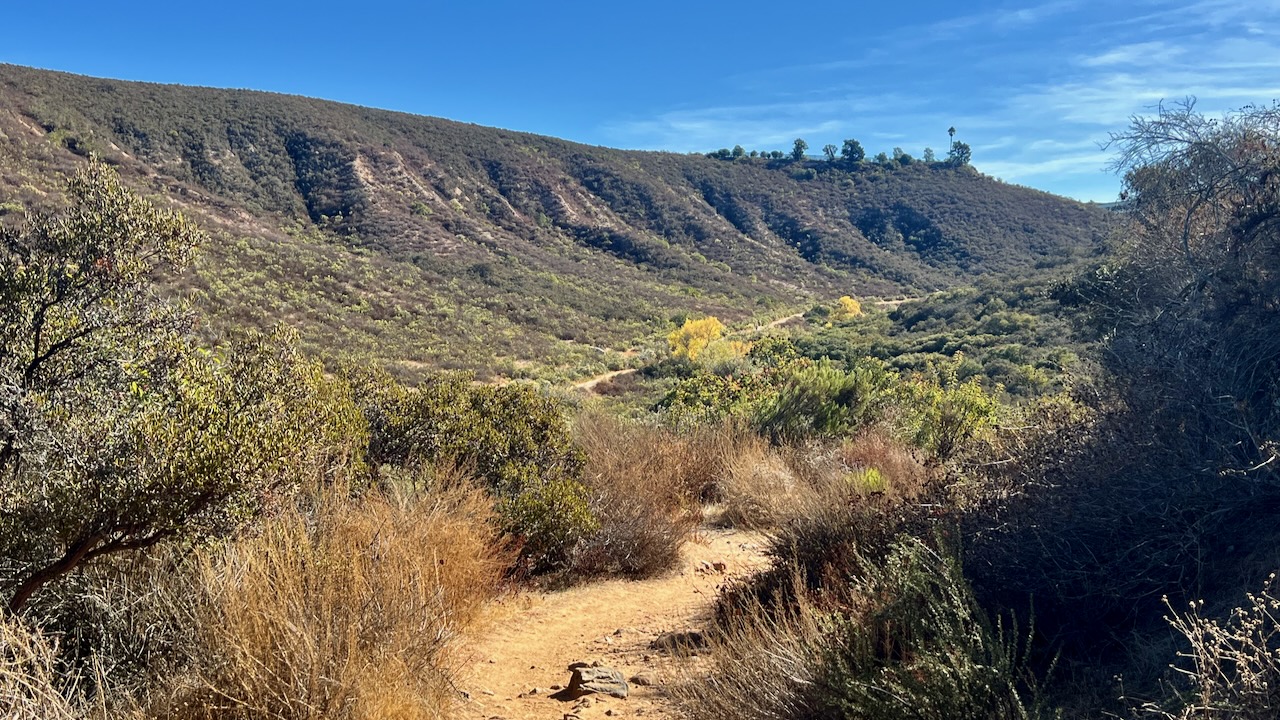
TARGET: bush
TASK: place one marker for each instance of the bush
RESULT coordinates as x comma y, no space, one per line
913,643
822,401
1235,664
514,439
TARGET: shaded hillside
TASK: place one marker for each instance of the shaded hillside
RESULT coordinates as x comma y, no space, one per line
429,242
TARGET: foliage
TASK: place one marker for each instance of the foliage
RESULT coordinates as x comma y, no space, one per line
915,644
118,434
945,412
516,440
852,152
798,150
694,336
823,401
846,308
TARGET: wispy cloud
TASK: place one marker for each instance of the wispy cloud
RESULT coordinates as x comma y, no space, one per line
1034,89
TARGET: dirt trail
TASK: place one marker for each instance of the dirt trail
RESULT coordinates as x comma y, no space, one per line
590,383
531,639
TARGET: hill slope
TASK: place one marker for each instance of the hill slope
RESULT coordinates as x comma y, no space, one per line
427,242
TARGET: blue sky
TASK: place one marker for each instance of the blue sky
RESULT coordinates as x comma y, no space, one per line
1033,87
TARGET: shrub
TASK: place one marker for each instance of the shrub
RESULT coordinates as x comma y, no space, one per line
822,401
514,439
1235,663
913,643
944,412
694,336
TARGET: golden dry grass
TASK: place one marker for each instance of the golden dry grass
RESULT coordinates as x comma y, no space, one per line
352,611
762,664
28,679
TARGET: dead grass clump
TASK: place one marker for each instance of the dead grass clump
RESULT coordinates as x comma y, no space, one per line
351,612
902,475
760,488
644,484
28,678
761,666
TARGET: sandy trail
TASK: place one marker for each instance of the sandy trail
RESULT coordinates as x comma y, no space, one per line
590,383
531,638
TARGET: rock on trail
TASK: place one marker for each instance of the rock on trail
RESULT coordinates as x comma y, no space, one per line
531,639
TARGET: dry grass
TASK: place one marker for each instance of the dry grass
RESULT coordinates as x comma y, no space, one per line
28,680
905,476
645,484
352,611
761,488
762,665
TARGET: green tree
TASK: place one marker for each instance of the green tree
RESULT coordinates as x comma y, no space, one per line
929,156
830,151
852,151
117,432
960,154
798,150
738,152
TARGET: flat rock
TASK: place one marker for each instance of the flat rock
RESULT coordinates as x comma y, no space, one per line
587,680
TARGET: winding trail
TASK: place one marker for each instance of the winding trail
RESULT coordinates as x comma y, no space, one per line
531,638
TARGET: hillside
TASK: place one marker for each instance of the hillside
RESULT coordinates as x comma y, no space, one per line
430,243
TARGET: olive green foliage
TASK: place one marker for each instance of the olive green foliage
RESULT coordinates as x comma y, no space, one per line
516,440
945,411
791,400
914,644
117,433
820,400
1014,335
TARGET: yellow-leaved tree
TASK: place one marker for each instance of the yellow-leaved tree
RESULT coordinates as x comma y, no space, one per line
694,336
847,307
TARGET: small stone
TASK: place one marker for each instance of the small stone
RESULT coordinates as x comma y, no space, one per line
719,567
555,687
609,713
643,679
486,692
618,631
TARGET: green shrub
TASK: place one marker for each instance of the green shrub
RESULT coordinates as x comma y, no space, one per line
913,644
943,412
823,401
512,438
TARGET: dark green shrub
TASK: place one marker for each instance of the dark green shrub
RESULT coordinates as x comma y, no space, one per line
913,643
823,401
514,439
